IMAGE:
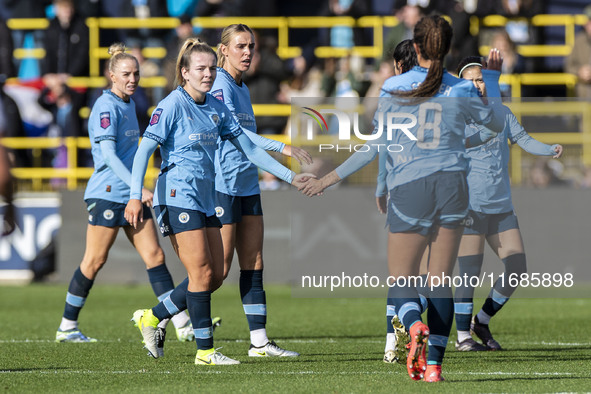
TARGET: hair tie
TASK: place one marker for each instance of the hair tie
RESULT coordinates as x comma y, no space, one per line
466,66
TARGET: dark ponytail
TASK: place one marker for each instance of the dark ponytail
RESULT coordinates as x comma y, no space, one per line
433,37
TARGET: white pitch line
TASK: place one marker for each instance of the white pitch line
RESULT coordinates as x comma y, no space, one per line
250,372
306,341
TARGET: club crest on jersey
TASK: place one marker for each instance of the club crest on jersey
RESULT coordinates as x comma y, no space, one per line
105,119
218,94
156,116
184,217
219,212
216,119
108,214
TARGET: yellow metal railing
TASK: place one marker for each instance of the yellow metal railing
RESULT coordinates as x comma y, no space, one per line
76,176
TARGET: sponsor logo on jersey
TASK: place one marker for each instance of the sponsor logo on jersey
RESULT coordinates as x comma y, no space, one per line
108,189
105,119
156,116
184,217
218,94
172,192
108,214
219,212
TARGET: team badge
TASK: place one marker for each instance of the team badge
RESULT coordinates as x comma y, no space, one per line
184,217
108,214
216,119
219,212
218,94
156,116
105,119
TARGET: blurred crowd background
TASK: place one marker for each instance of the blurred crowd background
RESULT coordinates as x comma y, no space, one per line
49,80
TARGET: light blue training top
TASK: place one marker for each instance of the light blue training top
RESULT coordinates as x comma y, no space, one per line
188,134
235,174
437,123
114,132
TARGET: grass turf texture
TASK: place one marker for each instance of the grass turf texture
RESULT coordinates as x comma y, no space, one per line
341,341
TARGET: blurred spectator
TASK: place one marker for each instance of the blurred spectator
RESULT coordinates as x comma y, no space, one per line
66,42
144,9
579,61
180,8
144,100
27,68
263,78
215,8
545,173
513,62
183,31
64,104
408,16
6,48
11,125
345,36
88,8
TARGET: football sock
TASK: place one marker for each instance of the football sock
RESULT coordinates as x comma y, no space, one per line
515,265
199,307
463,305
76,297
162,285
175,302
440,315
254,304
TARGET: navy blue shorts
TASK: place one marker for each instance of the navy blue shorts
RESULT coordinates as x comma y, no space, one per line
230,209
110,214
439,199
490,223
174,220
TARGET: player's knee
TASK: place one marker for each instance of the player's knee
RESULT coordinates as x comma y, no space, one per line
93,264
515,264
154,257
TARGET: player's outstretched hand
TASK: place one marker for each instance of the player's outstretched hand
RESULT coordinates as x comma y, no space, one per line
558,150
495,60
382,203
134,212
299,154
313,187
301,179
147,197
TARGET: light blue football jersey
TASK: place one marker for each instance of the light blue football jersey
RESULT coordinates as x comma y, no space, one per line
488,179
439,129
188,134
235,174
112,119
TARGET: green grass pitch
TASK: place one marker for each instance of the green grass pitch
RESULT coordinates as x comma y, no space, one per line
341,340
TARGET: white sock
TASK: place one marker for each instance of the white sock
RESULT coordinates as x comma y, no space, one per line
181,319
463,335
68,324
483,318
390,341
258,337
